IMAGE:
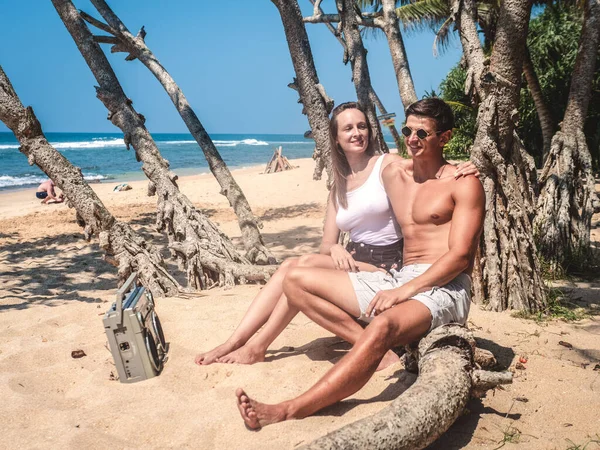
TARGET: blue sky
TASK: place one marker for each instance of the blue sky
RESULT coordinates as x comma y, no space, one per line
230,58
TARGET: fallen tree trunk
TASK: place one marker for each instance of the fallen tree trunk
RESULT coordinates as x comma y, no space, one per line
122,246
191,235
447,379
136,47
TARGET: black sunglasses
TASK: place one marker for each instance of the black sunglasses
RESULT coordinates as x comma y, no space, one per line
421,133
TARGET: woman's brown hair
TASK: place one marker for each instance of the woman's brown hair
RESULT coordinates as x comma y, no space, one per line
340,166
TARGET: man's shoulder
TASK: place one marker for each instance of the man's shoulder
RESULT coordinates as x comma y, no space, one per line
468,187
395,163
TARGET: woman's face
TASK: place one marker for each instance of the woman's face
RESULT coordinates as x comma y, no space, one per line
352,131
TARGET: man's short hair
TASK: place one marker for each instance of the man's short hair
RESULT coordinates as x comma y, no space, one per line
434,108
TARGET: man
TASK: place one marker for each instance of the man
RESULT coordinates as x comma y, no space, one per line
45,192
441,218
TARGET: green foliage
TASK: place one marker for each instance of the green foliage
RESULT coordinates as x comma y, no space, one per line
452,90
559,306
553,43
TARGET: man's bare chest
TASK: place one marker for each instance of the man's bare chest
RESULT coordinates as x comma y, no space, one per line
428,203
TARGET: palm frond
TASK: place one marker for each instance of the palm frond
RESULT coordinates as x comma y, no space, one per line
458,106
423,14
442,37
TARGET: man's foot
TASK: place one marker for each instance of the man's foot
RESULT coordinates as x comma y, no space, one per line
243,355
257,415
388,359
204,359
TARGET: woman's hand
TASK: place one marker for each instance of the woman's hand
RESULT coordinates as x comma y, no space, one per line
466,168
342,260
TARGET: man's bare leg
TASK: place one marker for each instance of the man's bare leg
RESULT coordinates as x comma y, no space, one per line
399,325
328,298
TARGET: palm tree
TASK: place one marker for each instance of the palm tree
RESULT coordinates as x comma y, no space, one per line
440,16
508,273
123,247
567,197
124,41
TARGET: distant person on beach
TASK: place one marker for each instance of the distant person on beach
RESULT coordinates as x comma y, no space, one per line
45,192
441,219
357,204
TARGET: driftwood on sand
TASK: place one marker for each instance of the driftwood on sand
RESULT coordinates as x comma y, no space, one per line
278,162
448,377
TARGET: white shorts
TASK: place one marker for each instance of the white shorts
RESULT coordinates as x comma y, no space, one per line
448,304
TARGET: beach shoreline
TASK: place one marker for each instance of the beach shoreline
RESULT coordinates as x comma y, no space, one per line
55,289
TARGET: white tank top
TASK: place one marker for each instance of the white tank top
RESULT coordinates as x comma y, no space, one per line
369,217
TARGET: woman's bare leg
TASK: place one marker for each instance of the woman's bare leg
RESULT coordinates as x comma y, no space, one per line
256,316
255,348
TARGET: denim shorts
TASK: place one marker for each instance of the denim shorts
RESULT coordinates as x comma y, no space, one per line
384,256
449,303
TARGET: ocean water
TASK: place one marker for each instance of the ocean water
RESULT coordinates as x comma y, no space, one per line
103,156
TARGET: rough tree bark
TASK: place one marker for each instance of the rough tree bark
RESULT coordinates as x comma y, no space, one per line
391,28
207,255
312,94
360,69
374,97
567,197
447,379
507,273
387,21
541,106
123,248
136,47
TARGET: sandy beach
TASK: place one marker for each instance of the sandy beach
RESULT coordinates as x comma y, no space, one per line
55,289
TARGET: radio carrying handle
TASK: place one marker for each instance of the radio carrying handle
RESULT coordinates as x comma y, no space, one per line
121,293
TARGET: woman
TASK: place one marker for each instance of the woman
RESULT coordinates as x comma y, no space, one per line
357,204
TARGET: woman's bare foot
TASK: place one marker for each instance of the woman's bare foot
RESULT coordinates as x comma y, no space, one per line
388,359
204,359
256,414
243,355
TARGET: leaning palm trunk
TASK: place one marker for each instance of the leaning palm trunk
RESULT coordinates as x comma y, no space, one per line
124,41
122,246
206,254
317,104
447,380
507,274
318,12
567,197
541,106
391,28
360,69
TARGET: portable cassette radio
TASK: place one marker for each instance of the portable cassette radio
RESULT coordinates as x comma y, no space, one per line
135,336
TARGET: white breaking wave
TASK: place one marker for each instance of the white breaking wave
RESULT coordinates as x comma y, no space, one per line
8,181
27,180
176,142
243,142
7,146
98,143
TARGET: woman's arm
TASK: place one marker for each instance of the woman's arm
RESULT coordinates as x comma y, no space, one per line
331,232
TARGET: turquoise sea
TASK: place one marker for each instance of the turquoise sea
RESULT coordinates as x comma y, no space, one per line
103,156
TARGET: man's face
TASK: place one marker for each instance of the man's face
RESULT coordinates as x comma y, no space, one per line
428,146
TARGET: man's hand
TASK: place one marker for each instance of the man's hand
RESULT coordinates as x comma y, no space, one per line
387,299
342,260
